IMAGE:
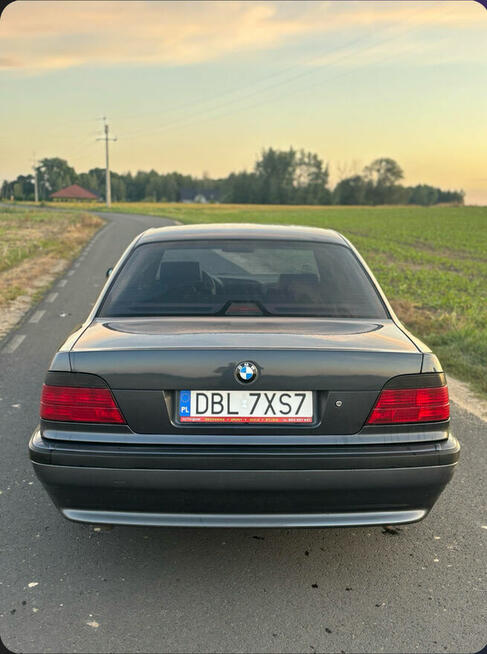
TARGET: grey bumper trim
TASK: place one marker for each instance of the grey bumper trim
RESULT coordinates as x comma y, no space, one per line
245,520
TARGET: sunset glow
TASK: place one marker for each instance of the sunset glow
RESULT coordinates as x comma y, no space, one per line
202,87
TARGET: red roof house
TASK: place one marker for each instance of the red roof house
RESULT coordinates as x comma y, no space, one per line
74,192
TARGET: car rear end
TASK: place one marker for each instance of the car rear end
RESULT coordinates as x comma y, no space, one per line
247,416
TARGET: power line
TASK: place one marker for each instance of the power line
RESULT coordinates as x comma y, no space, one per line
202,116
282,82
74,156
272,75
238,89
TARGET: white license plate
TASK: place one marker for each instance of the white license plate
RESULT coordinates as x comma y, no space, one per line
246,406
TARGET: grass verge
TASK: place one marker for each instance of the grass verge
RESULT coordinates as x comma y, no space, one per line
35,247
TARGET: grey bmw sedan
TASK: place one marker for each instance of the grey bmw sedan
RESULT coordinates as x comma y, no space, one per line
243,375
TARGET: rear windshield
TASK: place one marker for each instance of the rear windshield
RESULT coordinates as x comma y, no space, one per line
242,278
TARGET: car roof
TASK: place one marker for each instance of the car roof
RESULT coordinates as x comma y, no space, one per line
240,231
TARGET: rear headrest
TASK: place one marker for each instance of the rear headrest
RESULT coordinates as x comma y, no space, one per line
301,278
181,271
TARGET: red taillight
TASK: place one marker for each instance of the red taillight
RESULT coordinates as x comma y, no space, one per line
411,405
72,404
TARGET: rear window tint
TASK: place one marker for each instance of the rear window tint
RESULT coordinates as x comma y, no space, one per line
244,277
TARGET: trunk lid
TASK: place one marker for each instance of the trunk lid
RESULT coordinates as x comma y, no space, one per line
143,360
311,354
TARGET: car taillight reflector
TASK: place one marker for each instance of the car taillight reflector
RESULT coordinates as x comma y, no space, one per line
72,404
411,405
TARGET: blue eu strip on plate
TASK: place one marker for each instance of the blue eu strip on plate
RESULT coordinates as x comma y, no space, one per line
185,403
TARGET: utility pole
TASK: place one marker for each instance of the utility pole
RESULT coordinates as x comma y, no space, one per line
36,187
107,138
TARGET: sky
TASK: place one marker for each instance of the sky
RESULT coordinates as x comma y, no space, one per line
202,87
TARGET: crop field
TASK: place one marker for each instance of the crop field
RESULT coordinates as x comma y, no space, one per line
431,262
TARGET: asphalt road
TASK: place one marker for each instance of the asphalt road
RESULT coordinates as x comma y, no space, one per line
68,588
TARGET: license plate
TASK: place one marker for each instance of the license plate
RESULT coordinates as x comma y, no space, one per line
246,406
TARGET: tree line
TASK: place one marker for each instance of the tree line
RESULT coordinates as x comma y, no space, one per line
278,177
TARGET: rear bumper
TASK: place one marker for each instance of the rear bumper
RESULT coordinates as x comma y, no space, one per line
248,488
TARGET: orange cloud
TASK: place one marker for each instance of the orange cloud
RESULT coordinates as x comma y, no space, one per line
51,35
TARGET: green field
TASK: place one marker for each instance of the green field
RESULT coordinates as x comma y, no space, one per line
431,262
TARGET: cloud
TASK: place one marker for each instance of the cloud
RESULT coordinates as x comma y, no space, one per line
46,35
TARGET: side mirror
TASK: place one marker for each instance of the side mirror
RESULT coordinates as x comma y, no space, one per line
109,272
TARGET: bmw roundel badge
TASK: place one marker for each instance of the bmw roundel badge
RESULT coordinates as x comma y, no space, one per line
246,372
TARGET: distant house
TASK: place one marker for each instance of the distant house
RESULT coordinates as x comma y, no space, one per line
74,192
203,197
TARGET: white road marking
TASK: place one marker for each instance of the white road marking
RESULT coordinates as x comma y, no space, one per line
51,297
37,316
71,272
63,282
13,344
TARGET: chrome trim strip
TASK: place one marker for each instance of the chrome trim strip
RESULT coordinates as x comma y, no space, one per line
245,520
